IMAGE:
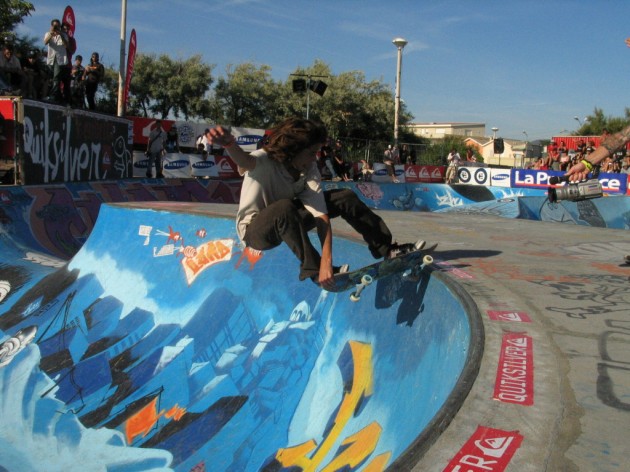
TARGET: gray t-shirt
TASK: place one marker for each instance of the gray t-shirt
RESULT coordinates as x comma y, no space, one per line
269,182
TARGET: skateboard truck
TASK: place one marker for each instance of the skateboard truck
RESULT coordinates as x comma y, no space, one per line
426,261
365,281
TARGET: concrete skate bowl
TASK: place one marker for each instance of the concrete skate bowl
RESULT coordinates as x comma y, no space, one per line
162,345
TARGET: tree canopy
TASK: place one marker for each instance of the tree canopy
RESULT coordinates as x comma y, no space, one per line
12,13
595,123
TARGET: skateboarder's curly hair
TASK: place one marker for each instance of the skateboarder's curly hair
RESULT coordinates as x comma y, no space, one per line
293,135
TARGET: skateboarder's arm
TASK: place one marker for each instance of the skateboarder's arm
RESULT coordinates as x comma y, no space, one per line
223,137
608,147
324,231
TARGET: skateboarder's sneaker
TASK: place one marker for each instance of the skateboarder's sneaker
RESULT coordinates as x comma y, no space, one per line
396,249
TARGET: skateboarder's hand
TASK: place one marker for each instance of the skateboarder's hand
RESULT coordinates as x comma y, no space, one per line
221,136
577,173
326,277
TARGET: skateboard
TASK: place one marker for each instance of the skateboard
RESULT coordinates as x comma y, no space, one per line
409,265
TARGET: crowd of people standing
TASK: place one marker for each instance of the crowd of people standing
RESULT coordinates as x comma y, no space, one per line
560,158
50,74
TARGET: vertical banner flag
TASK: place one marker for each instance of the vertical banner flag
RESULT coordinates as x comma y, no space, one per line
68,17
131,57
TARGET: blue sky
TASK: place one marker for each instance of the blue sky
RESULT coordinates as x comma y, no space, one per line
525,67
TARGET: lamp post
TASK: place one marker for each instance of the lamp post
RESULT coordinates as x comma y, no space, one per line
494,137
400,43
121,70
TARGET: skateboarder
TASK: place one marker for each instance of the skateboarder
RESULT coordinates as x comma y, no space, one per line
282,199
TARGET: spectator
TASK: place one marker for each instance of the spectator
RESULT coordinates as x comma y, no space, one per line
340,161
172,144
563,156
35,77
340,165
590,147
580,148
453,159
553,160
57,60
411,160
155,150
94,73
613,143
11,71
470,155
77,85
388,159
404,154
326,153
365,172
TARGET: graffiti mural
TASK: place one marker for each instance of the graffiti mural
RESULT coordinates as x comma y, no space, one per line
66,145
163,345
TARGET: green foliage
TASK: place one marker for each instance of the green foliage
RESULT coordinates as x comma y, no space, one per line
161,86
436,153
595,123
12,13
247,96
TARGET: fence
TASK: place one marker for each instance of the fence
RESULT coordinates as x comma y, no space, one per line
373,151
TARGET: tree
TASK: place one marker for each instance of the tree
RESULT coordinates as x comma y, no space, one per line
162,86
350,106
247,96
12,13
595,123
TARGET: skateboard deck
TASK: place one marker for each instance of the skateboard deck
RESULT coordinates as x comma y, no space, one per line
360,278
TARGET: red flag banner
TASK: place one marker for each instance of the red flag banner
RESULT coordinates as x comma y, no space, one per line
131,57
68,17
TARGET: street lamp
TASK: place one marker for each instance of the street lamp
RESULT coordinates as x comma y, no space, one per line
400,43
526,135
578,120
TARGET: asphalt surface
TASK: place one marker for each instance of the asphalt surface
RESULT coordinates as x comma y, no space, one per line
569,288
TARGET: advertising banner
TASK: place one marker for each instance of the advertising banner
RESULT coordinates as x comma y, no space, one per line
7,128
68,18
200,167
380,173
522,178
428,174
181,165
188,131
473,175
68,145
131,59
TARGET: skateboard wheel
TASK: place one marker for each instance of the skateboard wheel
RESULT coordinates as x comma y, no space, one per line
354,297
427,260
366,279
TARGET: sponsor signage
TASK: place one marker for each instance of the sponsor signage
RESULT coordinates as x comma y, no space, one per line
523,178
428,174
487,450
517,316
474,175
188,131
68,145
500,177
515,372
